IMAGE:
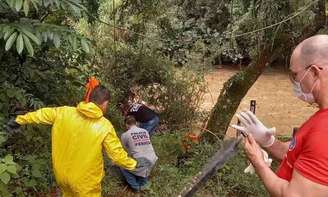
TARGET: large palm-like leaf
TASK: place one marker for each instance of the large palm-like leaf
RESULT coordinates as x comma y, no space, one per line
28,32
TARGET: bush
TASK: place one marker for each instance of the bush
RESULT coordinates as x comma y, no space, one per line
175,93
178,98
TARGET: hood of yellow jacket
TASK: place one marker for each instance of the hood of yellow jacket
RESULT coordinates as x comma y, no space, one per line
90,110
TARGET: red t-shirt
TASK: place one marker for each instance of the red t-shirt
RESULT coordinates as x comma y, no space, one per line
308,151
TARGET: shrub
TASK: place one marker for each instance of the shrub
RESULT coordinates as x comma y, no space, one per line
178,98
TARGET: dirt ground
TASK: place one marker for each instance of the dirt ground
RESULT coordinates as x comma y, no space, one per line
276,104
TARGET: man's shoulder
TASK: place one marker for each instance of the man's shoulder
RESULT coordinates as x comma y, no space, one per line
321,115
65,108
105,125
137,129
316,123
106,122
320,122
315,134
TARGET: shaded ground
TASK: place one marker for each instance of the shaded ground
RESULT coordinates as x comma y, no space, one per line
276,104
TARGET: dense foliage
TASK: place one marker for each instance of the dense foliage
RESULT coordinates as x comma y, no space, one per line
41,55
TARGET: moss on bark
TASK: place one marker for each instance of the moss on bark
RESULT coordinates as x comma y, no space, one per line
233,92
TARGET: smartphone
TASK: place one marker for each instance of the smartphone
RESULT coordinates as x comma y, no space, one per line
252,108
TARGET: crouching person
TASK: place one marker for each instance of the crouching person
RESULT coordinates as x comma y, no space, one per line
137,143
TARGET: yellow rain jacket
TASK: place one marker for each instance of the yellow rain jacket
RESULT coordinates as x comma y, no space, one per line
79,135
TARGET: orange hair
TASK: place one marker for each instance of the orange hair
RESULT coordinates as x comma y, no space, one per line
91,85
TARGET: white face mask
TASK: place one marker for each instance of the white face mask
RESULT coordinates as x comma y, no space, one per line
307,97
299,93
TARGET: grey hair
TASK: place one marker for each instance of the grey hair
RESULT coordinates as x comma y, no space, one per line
314,50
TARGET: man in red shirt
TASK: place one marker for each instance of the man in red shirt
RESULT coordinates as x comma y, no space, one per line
304,167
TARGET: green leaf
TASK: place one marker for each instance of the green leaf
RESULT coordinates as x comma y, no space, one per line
56,40
46,3
18,5
8,158
8,32
70,39
2,138
85,46
44,36
31,36
28,45
31,183
5,177
50,35
36,173
19,44
10,41
57,4
4,190
5,28
76,10
26,7
38,35
11,3
74,43
35,4
3,168
19,168
12,169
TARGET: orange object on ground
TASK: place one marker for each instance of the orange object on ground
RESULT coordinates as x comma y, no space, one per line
189,140
194,137
92,84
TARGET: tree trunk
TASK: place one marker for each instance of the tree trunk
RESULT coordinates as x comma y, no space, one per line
238,85
233,92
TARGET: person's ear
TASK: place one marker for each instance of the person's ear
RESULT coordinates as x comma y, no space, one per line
104,105
316,70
